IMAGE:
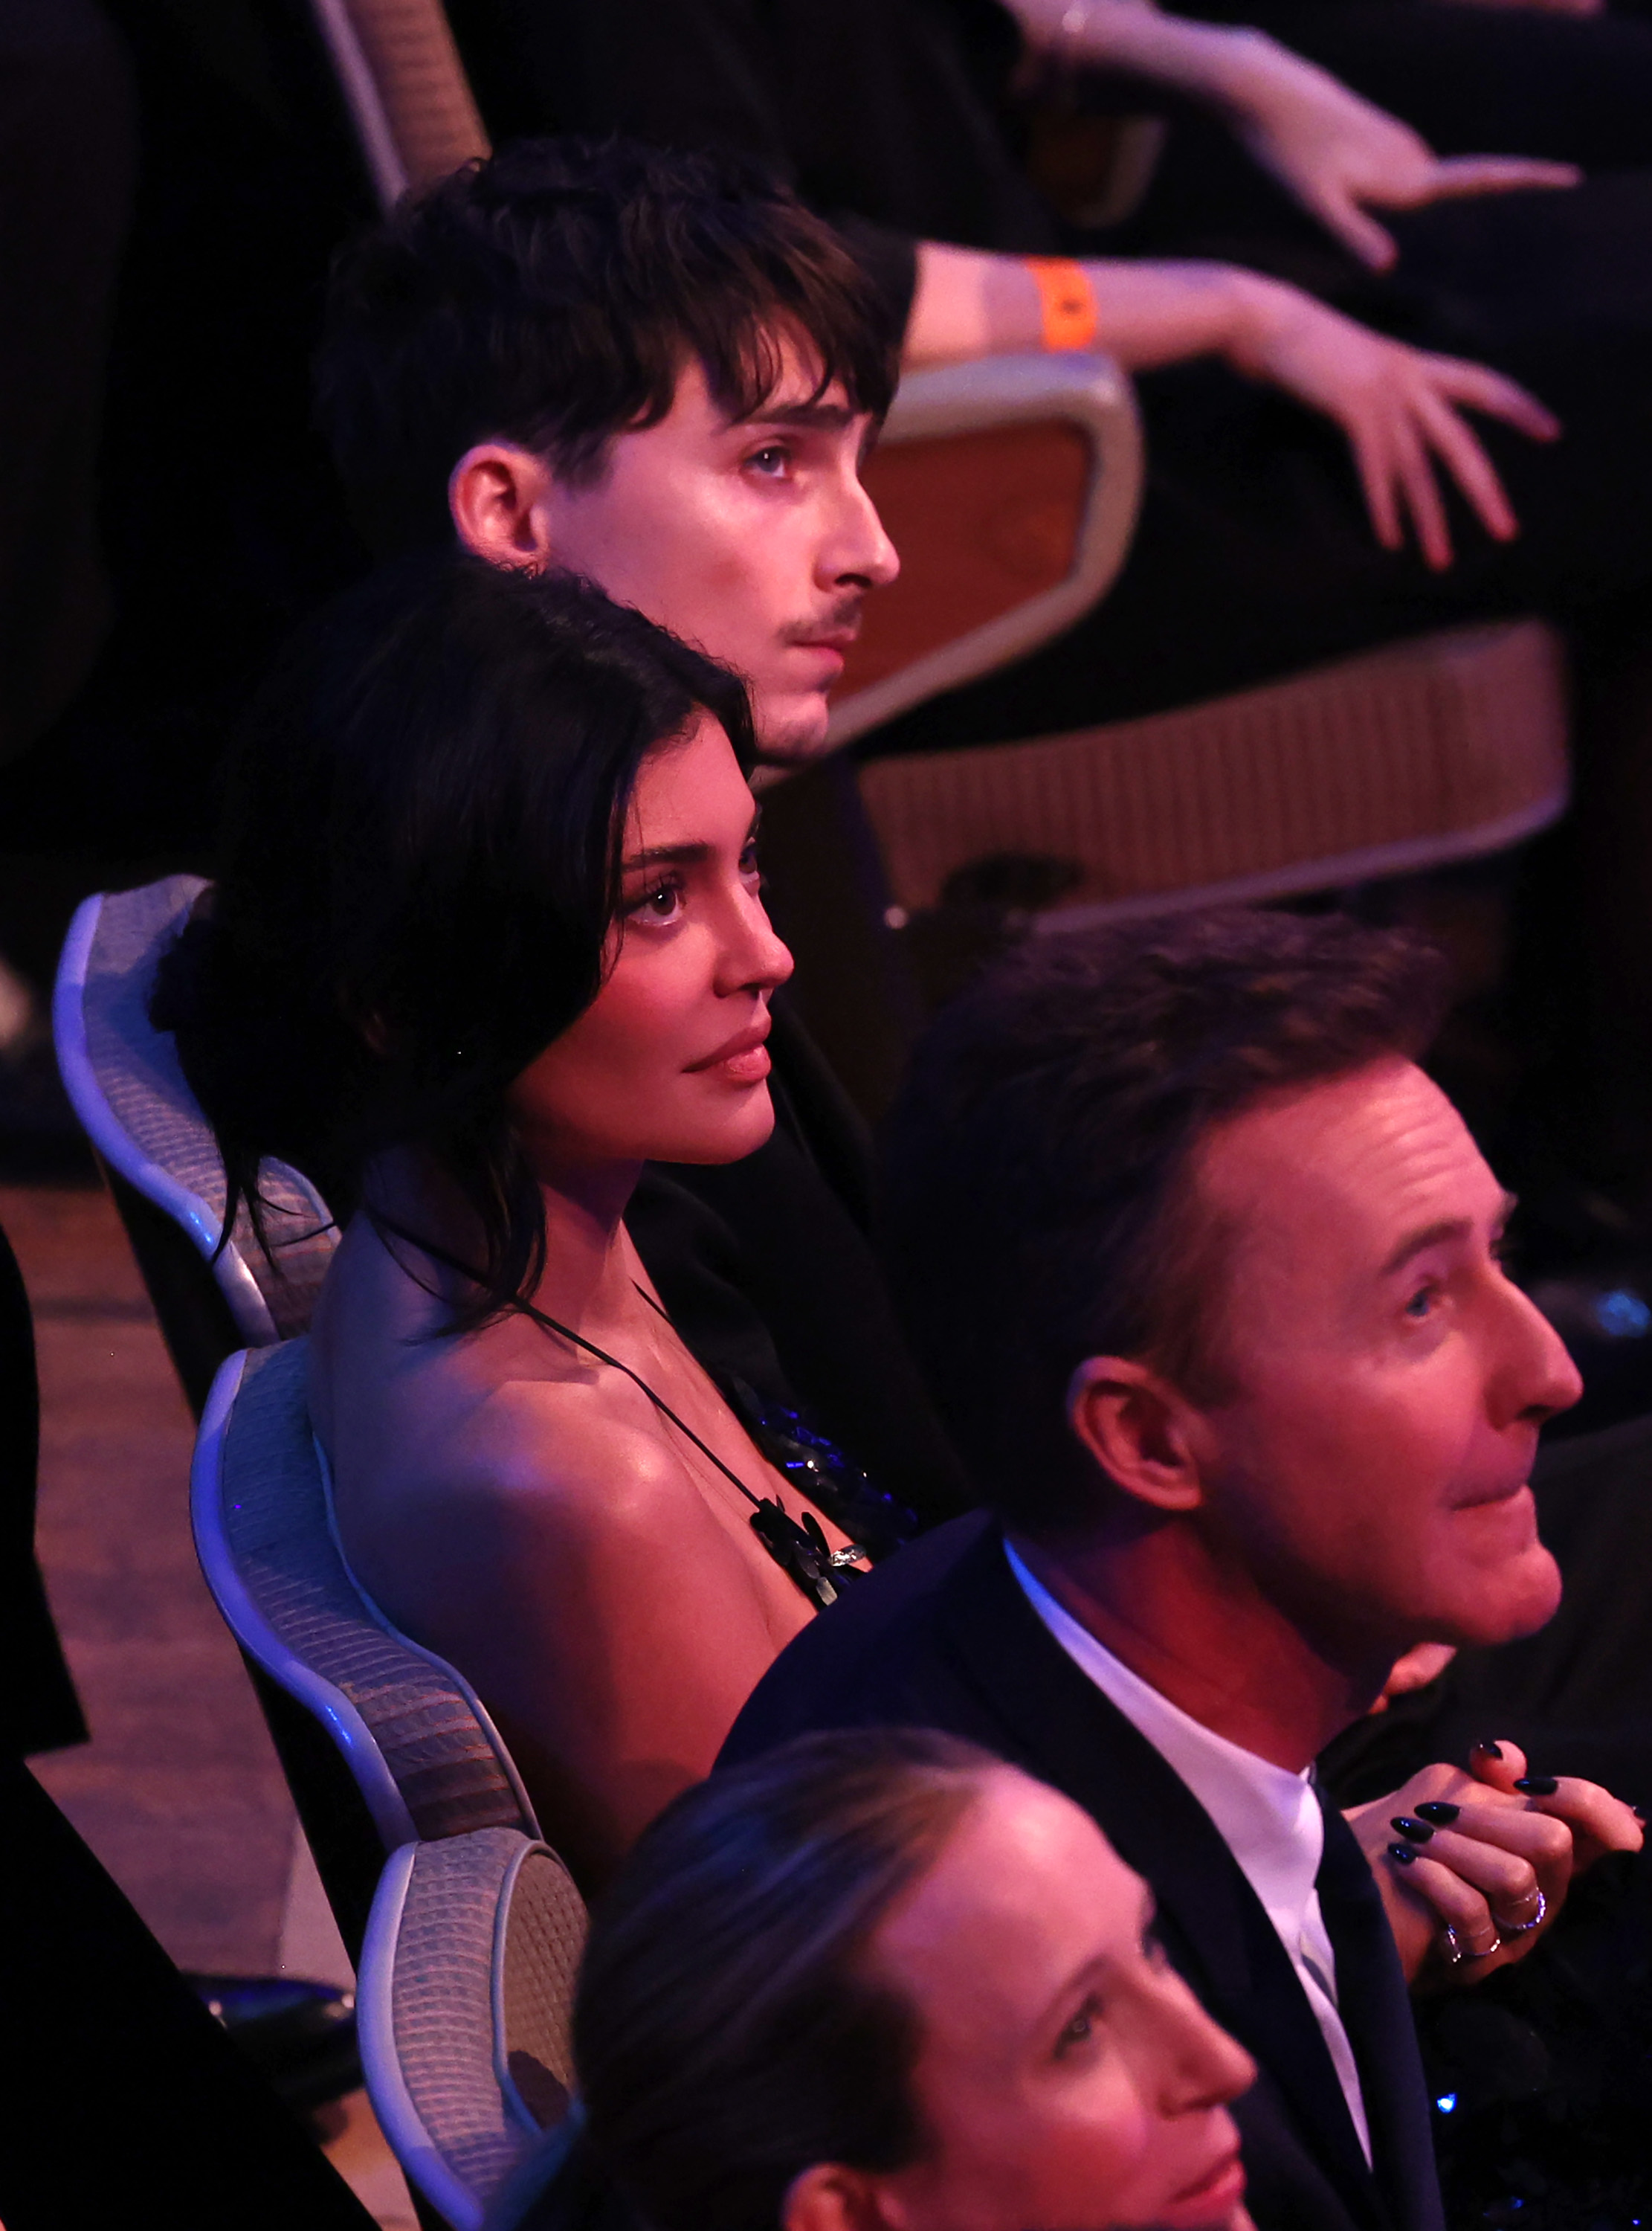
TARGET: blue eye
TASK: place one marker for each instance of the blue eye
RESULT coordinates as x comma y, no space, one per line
771,460
1420,1303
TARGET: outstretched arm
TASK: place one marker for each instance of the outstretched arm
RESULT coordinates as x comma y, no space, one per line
1336,153
1400,408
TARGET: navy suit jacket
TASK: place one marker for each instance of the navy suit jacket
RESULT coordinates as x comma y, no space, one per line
942,1636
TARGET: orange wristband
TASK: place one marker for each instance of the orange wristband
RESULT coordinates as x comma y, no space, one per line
1069,301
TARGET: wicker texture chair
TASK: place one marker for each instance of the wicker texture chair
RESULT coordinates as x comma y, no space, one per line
463,2006
1427,751
123,1078
405,87
418,1740
465,1966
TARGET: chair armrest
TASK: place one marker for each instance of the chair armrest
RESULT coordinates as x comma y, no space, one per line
1010,486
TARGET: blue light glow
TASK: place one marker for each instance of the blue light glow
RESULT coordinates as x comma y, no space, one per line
1622,1315
1447,2103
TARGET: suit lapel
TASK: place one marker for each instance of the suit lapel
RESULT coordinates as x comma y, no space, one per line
1066,1732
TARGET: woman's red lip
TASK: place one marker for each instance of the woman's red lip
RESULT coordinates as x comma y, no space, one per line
747,1042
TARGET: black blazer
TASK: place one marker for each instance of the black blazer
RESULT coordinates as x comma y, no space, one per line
942,1636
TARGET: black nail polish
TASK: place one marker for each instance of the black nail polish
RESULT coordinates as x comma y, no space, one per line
1437,1810
1536,1785
1403,1853
1488,1750
1417,1831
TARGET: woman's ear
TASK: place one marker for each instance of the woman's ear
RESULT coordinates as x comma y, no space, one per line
1140,1431
829,2197
497,497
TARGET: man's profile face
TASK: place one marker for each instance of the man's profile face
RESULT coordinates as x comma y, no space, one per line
754,541
1370,1469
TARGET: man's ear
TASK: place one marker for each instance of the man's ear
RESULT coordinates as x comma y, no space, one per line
1139,1430
497,496
829,2197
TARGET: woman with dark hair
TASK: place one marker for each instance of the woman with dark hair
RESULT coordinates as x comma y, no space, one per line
487,937
880,1981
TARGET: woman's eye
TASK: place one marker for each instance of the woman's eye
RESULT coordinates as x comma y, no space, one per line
1080,2030
1421,1303
772,460
749,866
660,903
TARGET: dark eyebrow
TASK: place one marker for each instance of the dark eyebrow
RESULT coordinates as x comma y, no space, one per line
823,418
1447,1228
664,855
681,855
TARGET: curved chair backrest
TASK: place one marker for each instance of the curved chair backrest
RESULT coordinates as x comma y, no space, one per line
462,2005
423,1753
405,87
124,1080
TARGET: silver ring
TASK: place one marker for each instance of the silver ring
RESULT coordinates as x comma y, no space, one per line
1524,1928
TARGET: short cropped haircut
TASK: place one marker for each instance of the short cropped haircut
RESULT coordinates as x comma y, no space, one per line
1038,1170
552,296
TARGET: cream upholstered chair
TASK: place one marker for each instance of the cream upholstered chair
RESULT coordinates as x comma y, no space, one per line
405,87
1431,749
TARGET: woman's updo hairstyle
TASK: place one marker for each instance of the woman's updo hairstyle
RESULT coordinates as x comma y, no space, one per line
419,870
727,2033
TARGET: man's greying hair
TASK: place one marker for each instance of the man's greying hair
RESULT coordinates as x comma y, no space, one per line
552,296
1038,1165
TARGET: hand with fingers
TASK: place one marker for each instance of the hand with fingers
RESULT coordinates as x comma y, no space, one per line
1473,1867
1337,153
1401,409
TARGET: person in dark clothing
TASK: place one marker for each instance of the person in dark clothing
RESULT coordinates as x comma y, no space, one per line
94,2010
1204,1272
897,121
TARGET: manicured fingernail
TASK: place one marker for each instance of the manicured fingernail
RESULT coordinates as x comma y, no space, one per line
1487,1750
1439,1812
1418,1831
1536,1785
1403,1853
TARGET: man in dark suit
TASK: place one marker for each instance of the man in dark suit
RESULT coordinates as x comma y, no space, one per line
1205,1271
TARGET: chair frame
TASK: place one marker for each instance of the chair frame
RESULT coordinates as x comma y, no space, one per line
404,2127
120,1153
1090,392
320,1697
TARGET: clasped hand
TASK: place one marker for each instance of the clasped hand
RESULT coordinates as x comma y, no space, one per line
1336,153
1491,1863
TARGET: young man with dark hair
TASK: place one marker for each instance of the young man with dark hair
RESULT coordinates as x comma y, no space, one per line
1205,1272
659,370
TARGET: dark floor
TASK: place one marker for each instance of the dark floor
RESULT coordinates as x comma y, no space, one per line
178,1791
